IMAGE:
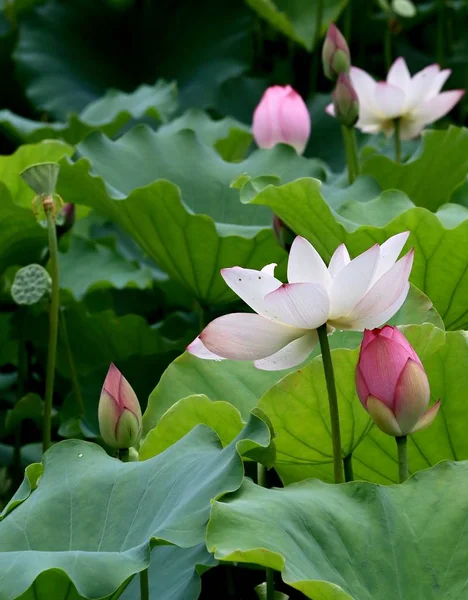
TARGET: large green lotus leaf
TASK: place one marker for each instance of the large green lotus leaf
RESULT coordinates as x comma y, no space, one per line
356,541
431,177
229,137
87,264
69,54
101,515
441,252
298,408
27,155
174,573
107,114
238,383
298,19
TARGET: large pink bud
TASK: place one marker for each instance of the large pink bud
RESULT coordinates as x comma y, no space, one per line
392,384
119,411
336,57
281,118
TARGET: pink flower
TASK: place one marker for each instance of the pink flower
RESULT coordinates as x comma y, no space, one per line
345,101
119,411
416,101
350,294
392,384
336,57
281,118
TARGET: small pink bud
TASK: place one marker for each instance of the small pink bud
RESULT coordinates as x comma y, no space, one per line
345,101
281,118
392,384
119,411
336,57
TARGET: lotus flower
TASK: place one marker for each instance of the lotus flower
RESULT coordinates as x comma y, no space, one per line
416,101
350,294
345,101
119,411
281,118
392,384
336,57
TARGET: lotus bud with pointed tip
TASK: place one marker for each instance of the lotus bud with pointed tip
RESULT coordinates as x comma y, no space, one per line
119,411
345,101
392,384
336,57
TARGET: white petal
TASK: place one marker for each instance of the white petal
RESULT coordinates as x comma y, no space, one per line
350,285
250,285
270,269
339,260
390,100
438,83
410,127
389,252
378,320
198,349
437,107
291,355
364,85
386,291
245,336
302,305
421,85
330,109
399,75
306,265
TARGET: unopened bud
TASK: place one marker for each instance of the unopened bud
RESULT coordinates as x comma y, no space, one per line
336,57
345,101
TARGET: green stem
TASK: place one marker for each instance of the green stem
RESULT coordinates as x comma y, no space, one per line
351,151
198,308
144,585
348,467
402,447
316,58
262,479
332,402
397,137
23,364
123,454
347,21
388,47
71,364
53,331
441,28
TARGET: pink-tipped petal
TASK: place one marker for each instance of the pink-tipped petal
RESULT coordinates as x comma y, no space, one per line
364,85
427,418
377,320
390,100
306,265
395,334
245,336
389,252
339,260
270,269
251,286
301,305
411,396
291,355
352,282
421,85
438,83
330,109
294,121
369,335
383,417
399,75
112,383
200,351
439,106
361,387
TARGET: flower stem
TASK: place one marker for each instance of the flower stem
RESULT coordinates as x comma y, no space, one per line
441,29
402,447
348,467
262,480
397,141
388,47
350,145
144,585
71,364
53,331
316,62
332,402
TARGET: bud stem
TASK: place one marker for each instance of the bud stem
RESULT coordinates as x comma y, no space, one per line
144,585
402,447
262,480
348,467
352,159
332,402
53,331
397,141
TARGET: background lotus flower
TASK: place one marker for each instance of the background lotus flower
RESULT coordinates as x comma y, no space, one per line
336,57
281,118
119,411
392,384
416,101
349,294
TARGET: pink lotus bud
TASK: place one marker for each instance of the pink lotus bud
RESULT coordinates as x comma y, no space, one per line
392,384
345,101
336,57
281,118
283,234
119,411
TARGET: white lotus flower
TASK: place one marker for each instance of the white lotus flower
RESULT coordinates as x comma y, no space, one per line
357,294
416,101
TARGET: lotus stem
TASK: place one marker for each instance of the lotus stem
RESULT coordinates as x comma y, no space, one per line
348,467
397,141
262,480
402,447
351,150
144,585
